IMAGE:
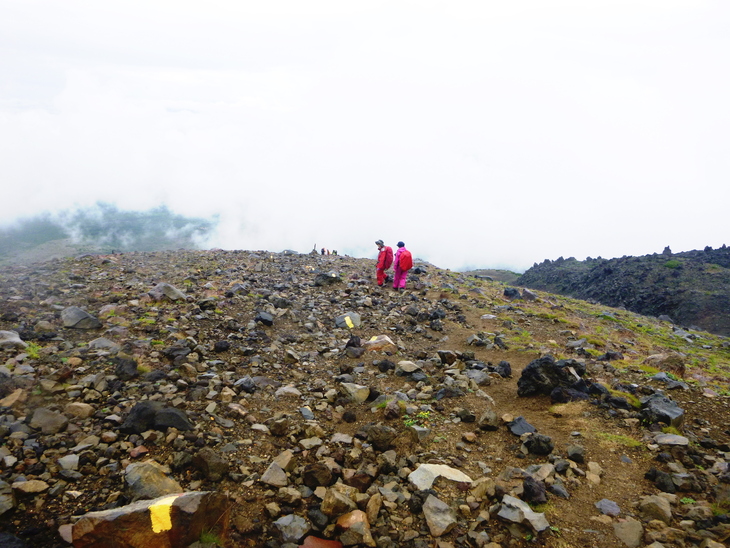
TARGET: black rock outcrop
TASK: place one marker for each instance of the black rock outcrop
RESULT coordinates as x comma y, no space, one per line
690,287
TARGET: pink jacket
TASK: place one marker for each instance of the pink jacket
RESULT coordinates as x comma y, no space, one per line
396,260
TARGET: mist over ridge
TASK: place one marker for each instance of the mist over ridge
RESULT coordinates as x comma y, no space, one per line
103,228
106,227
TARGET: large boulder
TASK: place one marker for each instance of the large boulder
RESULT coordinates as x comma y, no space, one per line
152,415
350,320
325,279
543,375
48,421
439,516
657,408
353,529
539,444
355,392
149,480
164,290
517,511
292,528
125,368
166,522
380,343
11,339
520,426
426,473
512,293
76,318
381,436
211,463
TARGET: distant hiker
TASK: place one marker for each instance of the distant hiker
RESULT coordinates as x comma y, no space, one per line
385,259
401,265
334,252
324,251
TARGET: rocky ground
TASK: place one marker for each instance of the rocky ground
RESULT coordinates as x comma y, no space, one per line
296,403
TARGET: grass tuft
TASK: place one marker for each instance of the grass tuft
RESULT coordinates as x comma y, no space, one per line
620,439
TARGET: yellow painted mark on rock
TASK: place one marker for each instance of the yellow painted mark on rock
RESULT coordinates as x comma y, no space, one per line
349,323
161,514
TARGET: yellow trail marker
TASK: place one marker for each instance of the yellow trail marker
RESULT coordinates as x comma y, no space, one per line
349,323
160,514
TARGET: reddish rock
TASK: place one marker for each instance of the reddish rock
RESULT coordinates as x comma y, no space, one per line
138,451
165,522
315,542
469,437
356,529
358,479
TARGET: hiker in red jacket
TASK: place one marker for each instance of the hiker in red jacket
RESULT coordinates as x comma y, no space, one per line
401,265
385,259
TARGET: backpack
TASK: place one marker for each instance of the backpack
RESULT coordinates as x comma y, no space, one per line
388,258
405,261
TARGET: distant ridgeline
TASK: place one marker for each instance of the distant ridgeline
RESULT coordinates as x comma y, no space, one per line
692,287
102,228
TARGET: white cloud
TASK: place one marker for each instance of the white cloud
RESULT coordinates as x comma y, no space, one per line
481,133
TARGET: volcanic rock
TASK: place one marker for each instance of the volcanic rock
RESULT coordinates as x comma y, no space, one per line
211,463
164,290
11,339
517,511
424,476
75,317
156,416
543,375
149,480
439,516
292,528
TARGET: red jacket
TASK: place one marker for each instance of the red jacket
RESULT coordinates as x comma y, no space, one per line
385,258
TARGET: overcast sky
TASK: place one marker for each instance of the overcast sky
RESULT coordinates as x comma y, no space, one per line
483,134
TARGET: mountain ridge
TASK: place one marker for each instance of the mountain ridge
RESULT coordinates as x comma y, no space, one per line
692,287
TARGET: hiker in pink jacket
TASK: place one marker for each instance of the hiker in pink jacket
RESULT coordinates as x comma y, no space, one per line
402,263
